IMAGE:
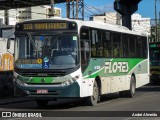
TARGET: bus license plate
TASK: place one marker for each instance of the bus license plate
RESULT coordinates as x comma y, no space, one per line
42,91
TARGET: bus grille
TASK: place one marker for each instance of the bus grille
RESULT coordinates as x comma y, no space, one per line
43,74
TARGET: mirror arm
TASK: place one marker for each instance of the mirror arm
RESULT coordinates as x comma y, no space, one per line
10,52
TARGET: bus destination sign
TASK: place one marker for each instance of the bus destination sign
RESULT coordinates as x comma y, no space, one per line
155,45
44,26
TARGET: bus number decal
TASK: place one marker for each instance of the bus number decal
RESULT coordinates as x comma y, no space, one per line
97,67
114,67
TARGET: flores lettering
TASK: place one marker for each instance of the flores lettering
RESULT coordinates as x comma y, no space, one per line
113,67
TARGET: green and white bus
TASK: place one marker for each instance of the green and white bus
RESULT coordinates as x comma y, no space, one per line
62,58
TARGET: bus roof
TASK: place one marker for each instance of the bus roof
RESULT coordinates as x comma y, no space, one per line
111,27
95,24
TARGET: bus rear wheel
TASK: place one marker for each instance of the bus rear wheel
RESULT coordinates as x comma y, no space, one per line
92,100
42,102
131,92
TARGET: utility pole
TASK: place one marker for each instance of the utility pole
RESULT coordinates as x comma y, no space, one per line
73,9
82,5
159,17
68,8
6,17
159,28
52,8
76,7
155,4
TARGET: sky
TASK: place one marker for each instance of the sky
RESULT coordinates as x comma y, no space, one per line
145,7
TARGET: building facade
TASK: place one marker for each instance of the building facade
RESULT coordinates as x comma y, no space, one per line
22,14
110,17
139,23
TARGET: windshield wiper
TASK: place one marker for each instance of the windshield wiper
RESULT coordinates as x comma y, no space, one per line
54,41
32,41
56,36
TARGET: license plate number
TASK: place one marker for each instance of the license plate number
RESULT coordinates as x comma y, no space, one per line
42,91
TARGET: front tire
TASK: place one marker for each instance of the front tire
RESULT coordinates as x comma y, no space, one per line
92,100
131,92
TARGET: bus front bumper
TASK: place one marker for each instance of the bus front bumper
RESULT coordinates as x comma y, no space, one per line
51,91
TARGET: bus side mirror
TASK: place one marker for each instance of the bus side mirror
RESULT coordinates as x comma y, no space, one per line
8,43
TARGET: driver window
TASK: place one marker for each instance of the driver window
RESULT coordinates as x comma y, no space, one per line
85,47
84,53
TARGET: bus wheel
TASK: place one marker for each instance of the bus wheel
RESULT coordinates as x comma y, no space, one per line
131,92
42,102
92,100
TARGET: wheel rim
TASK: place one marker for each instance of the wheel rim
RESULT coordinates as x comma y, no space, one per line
133,86
95,93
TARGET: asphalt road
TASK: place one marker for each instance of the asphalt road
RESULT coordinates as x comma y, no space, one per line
146,100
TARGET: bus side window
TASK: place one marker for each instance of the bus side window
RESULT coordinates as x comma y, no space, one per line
94,41
85,50
139,47
107,43
116,51
99,44
125,45
132,46
117,44
85,47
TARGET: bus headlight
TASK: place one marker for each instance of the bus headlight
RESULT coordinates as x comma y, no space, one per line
15,74
19,82
70,81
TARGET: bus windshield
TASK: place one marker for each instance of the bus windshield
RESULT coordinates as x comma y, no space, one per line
57,51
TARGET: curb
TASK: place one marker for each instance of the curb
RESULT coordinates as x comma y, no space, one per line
14,100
